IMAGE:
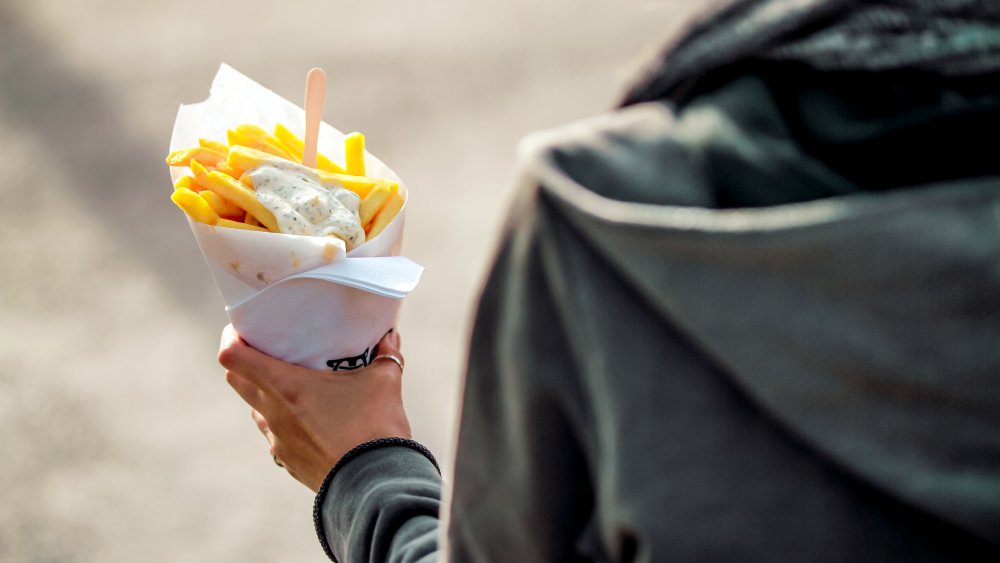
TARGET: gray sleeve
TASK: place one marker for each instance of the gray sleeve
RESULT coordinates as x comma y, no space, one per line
381,505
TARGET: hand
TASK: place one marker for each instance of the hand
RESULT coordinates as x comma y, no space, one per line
312,417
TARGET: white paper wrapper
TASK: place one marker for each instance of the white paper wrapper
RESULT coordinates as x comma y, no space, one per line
302,299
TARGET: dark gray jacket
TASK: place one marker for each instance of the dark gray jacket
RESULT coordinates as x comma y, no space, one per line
752,315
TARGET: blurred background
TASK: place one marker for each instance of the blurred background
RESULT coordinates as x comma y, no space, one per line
121,441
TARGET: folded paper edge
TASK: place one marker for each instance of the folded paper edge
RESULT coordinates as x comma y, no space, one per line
321,273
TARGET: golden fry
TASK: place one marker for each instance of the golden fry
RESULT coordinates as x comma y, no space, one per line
214,145
291,141
327,165
360,185
238,225
222,206
256,133
201,169
187,182
296,145
252,221
196,207
206,156
372,203
386,215
242,157
237,193
354,154
200,172
225,168
234,138
261,140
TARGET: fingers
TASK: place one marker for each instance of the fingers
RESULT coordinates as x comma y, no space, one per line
228,337
261,422
246,389
267,373
390,344
265,429
387,351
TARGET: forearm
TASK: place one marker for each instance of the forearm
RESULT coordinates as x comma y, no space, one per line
381,505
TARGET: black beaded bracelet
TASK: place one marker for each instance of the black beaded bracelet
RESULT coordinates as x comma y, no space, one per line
353,453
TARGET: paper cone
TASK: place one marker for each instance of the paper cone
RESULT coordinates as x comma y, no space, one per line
302,299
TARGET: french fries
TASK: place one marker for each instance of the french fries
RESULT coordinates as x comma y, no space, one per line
260,139
187,182
221,205
297,145
214,145
195,206
239,225
232,190
385,215
220,189
354,154
204,155
372,202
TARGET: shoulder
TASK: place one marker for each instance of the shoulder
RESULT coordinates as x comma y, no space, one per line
644,153
602,152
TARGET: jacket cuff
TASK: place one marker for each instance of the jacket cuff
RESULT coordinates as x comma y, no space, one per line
338,468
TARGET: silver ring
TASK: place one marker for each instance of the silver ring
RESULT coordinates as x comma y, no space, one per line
276,462
393,357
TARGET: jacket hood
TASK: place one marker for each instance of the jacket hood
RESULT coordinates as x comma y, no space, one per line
952,38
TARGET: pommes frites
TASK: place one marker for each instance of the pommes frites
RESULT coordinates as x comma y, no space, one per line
219,193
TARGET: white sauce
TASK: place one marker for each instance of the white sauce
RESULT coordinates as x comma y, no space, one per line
303,206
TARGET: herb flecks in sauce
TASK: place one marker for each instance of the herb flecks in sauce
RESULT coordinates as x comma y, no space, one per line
303,206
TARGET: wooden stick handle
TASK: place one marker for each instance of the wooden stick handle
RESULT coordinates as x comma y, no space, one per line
315,94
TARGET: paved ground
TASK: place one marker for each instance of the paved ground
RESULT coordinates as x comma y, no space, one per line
121,441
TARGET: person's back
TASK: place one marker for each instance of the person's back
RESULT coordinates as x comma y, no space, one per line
788,379
751,315
788,351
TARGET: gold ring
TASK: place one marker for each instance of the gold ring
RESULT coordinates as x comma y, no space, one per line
392,357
